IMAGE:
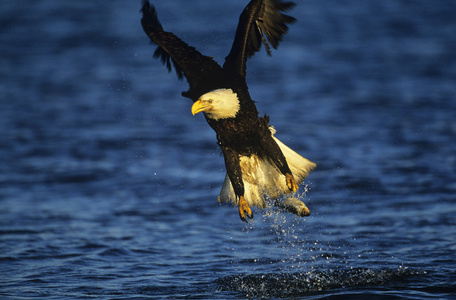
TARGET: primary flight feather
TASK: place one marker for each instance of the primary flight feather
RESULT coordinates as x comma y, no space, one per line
257,163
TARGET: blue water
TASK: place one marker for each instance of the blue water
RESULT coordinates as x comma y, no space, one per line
108,184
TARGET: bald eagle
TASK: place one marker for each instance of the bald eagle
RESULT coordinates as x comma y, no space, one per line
257,163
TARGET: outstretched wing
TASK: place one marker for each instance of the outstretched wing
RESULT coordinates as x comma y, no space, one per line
261,22
186,60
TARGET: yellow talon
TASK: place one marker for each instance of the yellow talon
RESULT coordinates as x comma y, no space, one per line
244,209
291,183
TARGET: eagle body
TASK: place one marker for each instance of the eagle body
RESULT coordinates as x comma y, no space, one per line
257,163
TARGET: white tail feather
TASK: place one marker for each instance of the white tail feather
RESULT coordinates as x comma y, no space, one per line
262,178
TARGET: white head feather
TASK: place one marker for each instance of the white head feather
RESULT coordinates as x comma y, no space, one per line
218,104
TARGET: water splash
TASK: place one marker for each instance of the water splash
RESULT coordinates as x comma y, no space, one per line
302,284
305,263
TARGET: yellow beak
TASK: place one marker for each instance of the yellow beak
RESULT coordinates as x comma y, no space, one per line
199,106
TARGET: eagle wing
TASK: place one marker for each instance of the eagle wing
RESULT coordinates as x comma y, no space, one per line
172,51
261,22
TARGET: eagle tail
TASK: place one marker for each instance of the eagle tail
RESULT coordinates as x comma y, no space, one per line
262,178
299,166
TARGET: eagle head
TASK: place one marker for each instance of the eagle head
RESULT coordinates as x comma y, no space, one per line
218,104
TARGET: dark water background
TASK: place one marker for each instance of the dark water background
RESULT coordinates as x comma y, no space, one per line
108,184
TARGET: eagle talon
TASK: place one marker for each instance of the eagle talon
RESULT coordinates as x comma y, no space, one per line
291,183
244,209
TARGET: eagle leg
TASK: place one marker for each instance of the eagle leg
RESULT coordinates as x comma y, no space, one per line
244,209
291,182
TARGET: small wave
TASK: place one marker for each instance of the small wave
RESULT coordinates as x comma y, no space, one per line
302,284
114,252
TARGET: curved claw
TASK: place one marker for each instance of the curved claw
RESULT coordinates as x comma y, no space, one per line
291,183
244,209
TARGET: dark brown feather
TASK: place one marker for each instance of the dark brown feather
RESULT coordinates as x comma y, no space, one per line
261,22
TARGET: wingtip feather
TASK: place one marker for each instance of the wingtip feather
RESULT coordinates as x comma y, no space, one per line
149,17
